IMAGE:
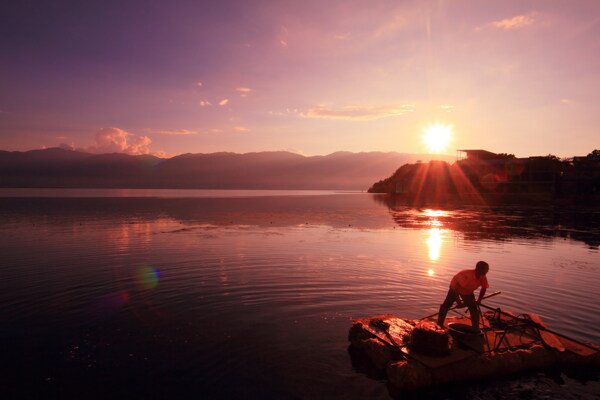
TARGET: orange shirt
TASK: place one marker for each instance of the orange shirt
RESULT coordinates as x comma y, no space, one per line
465,282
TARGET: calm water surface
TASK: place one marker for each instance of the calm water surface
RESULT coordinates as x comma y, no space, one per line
251,294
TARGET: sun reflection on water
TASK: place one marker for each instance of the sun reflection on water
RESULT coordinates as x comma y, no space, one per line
434,243
435,213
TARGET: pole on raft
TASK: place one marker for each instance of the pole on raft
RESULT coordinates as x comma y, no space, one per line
485,297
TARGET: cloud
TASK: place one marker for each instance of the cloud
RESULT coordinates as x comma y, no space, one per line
223,102
140,145
115,140
243,91
295,151
356,113
204,103
566,101
67,146
177,132
283,43
62,137
198,83
241,129
516,22
287,112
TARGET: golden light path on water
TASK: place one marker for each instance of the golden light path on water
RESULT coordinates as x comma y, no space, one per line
435,237
434,243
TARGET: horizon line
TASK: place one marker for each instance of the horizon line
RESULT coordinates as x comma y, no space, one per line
230,152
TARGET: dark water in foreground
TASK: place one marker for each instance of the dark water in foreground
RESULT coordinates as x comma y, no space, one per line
235,295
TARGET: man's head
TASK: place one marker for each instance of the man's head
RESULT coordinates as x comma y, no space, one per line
481,268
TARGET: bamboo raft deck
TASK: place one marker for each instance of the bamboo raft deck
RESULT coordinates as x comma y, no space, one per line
507,345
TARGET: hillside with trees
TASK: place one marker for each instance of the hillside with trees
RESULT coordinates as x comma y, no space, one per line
485,175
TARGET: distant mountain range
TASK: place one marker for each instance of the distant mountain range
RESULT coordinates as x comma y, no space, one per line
57,167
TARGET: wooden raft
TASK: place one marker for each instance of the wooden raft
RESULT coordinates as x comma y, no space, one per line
506,347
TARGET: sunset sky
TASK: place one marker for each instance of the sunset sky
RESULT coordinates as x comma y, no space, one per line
313,77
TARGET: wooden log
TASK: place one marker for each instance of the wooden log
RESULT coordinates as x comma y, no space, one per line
548,338
380,338
409,375
579,349
389,329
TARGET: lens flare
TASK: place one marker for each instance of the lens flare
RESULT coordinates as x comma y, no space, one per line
146,277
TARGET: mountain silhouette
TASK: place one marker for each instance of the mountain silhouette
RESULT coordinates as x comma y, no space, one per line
57,167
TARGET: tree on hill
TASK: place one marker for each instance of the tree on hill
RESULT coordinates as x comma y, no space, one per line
505,155
594,154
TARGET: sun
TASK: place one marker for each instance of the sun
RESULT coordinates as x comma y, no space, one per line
437,137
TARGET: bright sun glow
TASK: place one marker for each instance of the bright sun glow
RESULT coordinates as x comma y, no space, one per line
437,137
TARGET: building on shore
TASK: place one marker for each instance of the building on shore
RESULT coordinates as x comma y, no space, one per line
505,174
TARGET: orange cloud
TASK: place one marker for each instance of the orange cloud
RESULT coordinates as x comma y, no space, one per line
177,132
223,102
115,140
243,89
513,23
357,113
204,103
241,129
140,145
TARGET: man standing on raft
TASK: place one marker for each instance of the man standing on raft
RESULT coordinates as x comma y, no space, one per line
463,286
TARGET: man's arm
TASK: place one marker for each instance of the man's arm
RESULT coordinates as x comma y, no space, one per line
481,294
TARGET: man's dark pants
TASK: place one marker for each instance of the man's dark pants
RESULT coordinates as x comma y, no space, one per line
468,299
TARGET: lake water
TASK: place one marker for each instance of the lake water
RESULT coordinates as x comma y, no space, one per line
248,294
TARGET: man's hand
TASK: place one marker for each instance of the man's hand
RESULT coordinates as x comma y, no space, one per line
459,304
481,295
